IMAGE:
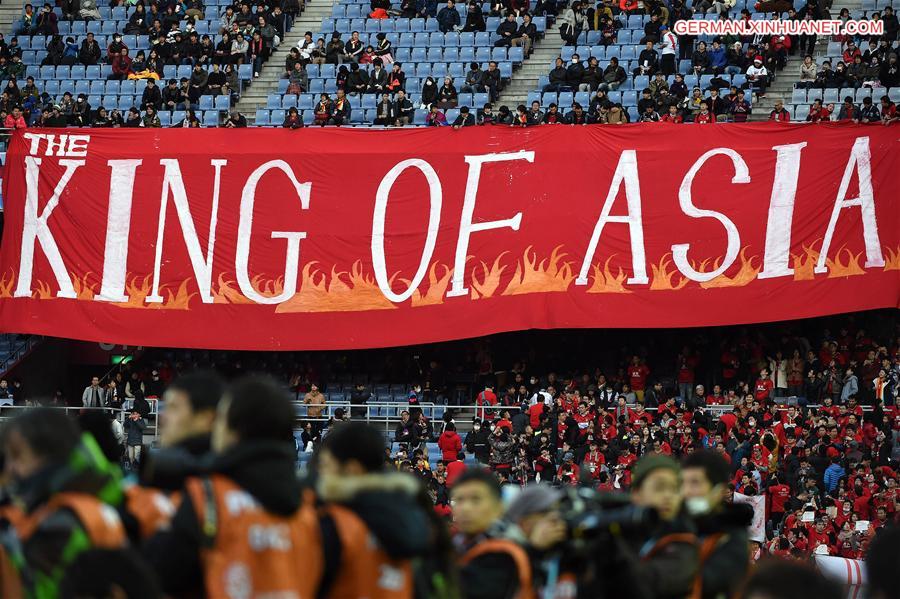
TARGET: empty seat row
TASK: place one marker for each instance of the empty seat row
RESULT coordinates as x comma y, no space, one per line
266,117
835,95
481,54
102,71
308,101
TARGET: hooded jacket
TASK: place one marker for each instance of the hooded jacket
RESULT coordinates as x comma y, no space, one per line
55,540
264,469
385,506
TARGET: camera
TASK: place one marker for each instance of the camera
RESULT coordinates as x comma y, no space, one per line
590,515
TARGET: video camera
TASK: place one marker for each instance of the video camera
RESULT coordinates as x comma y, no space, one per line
590,515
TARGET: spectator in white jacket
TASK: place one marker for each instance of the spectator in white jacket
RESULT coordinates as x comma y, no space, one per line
758,77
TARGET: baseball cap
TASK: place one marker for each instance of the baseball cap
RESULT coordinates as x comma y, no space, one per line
533,500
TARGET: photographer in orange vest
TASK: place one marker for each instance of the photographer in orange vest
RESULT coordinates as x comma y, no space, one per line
186,426
62,488
244,529
491,565
381,538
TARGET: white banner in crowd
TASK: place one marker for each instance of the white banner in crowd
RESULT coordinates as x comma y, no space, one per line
849,572
757,528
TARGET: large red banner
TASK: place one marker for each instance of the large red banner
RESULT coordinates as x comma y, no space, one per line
324,238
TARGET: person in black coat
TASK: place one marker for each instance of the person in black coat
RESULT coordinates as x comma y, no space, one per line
507,31
474,18
557,78
89,53
465,118
574,72
476,442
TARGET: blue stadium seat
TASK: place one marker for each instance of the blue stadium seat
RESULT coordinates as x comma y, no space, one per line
262,117
124,87
305,102
467,38
467,54
274,101
434,54
222,103
798,96
457,69
801,112
439,71
97,88
211,118
482,38
110,102
812,94
277,117
482,54
206,102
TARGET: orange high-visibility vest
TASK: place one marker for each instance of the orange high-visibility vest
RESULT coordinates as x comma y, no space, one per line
250,550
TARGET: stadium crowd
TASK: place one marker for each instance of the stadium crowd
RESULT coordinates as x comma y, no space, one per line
248,33
631,477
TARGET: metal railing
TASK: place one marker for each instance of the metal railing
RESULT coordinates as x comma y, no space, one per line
18,348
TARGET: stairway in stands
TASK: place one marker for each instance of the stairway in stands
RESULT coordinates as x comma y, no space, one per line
10,11
783,86
267,82
525,80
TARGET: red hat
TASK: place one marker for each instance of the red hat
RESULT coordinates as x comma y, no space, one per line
759,58
832,452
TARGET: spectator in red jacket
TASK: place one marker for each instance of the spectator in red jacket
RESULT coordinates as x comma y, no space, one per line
637,377
121,65
449,443
762,391
15,120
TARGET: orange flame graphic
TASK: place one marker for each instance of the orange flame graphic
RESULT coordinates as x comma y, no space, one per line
605,282
7,283
137,290
43,291
804,264
226,292
359,293
84,290
547,276
662,276
744,276
437,286
490,280
837,268
893,259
